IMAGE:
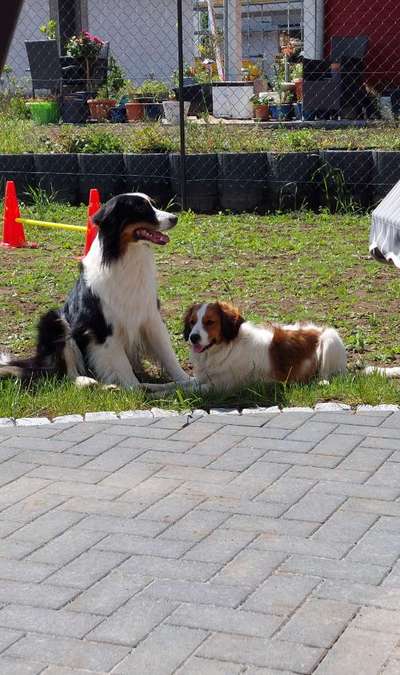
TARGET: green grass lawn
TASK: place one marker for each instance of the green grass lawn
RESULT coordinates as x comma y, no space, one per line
277,268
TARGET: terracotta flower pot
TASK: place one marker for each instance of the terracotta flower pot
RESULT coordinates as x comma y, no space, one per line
100,107
134,111
261,111
298,83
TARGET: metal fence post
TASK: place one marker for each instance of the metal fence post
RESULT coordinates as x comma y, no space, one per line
182,145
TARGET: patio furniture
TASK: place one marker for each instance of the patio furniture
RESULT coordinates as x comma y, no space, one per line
334,87
44,65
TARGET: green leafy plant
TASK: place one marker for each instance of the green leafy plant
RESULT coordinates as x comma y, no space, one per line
153,89
116,78
49,29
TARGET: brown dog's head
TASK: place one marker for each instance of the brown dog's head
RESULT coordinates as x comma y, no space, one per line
211,324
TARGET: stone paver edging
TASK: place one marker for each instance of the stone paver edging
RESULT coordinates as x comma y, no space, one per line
261,543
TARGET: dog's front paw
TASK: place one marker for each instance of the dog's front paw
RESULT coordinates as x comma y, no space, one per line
82,382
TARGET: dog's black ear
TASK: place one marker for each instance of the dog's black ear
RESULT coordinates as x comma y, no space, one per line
107,215
186,322
231,320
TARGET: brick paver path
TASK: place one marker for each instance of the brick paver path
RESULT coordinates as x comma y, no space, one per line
262,544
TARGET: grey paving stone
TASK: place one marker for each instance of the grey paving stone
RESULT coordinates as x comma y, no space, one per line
66,547
63,473
39,620
194,526
161,546
171,508
311,431
377,432
45,527
109,593
337,444
393,579
388,474
375,619
10,470
133,622
391,668
300,545
286,490
237,459
258,525
341,528
380,547
365,459
220,546
89,505
290,419
260,475
194,473
24,570
369,650
51,458
154,655
360,594
21,488
129,475
35,595
16,667
245,507
280,594
68,652
315,507
250,568
195,665
163,568
31,508
112,460
265,432
176,458
60,670
111,524
260,652
8,637
317,623
150,490
70,489
86,569
196,592
334,569
340,475
323,461
38,443
195,432
220,619
95,445
217,443
355,490
379,507
390,443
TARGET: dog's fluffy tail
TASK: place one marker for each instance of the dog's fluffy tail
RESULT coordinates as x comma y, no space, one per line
332,355
391,373
49,357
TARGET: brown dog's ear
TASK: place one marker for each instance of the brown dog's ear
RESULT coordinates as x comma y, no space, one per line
231,320
186,321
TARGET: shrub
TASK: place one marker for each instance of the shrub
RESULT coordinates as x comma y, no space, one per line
95,142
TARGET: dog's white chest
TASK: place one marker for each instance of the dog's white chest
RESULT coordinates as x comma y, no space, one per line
127,290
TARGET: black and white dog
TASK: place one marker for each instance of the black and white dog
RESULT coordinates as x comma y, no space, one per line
111,318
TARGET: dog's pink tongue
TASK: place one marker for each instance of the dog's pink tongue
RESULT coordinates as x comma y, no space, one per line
154,236
198,348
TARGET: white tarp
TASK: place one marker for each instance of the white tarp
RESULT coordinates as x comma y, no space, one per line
384,238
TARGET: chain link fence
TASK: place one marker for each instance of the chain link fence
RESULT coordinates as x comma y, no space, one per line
213,104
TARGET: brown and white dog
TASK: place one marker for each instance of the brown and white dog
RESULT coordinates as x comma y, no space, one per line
228,352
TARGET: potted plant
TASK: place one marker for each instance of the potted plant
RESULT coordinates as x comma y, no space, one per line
172,109
297,78
134,107
152,93
101,105
261,106
85,48
44,110
283,110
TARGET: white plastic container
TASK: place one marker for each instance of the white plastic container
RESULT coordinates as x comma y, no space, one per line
171,111
232,100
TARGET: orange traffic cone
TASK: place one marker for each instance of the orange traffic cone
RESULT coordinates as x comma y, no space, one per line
93,207
13,232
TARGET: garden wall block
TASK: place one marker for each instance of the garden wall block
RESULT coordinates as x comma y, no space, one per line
57,174
293,180
20,169
149,173
242,181
387,172
201,181
106,172
347,175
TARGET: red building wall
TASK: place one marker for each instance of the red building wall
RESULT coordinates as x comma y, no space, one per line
380,20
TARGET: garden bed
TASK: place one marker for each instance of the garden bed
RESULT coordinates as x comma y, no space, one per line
277,268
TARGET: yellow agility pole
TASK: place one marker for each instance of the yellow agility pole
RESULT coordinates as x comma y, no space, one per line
57,226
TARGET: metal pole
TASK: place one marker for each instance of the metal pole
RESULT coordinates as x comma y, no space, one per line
181,105
9,14
226,37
